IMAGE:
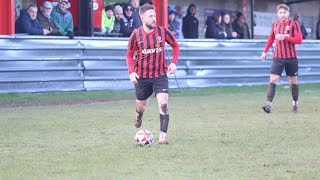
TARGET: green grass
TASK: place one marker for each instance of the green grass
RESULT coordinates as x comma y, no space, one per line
214,133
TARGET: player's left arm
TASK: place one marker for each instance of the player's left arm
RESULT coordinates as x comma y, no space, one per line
170,39
297,35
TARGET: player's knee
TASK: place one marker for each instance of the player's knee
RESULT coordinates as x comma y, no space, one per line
164,108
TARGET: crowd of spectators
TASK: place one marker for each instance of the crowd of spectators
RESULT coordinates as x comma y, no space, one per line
123,18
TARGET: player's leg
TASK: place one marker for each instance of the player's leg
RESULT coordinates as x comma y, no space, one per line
292,72
275,74
143,91
161,89
164,117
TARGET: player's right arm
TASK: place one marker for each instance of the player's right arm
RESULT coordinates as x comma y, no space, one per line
269,43
129,57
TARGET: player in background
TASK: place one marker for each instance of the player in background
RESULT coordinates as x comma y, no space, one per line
148,71
286,33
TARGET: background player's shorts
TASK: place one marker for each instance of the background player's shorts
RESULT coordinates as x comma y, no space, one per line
289,64
146,86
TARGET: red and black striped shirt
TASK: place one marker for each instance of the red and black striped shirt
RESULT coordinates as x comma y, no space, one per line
285,48
150,59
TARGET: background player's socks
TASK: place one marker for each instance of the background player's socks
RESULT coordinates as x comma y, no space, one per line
295,92
164,122
271,92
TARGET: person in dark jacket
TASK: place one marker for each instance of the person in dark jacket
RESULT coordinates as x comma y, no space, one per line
302,27
45,19
227,27
28,23
118,21
128,24
190,24
214,29
241,27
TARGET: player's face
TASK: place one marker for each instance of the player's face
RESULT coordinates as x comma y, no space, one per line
283,14
149,19
135,3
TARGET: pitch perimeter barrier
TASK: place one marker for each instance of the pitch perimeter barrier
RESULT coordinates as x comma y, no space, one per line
42,64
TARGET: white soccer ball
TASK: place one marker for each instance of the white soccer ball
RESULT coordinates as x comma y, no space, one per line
143,138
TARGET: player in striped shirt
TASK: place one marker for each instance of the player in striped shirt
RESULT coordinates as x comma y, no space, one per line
148,71
286,33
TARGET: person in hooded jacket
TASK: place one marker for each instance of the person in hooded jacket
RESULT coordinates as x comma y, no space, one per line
214,29
190,24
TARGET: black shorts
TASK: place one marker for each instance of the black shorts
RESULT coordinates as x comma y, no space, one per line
290,66
146,86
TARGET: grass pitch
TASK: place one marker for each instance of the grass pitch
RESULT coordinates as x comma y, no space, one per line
213,133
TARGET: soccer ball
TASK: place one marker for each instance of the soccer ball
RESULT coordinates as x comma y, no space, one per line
143,138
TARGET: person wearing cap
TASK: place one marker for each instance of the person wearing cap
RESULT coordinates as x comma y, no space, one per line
173,25
44,17
118,13
129,24
63,18
107,21
28,23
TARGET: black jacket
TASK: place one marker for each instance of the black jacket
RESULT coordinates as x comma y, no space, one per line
24,24
213,30
190,26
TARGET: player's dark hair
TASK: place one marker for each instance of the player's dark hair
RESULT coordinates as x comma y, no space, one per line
283,6
145,8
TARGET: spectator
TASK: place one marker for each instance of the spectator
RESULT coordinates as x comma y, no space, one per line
227,27
318,30
28,23
143,2
190,23
107,21
303,29
241,27
173,24
179,17
135,12
118,13
214,29
44,17
63,18
129,25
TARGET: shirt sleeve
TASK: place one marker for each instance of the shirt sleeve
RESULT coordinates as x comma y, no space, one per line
270,40
130,52
297,35
174,44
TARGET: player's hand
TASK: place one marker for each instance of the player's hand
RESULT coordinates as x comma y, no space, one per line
280,37
172,69
263,56
134,78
